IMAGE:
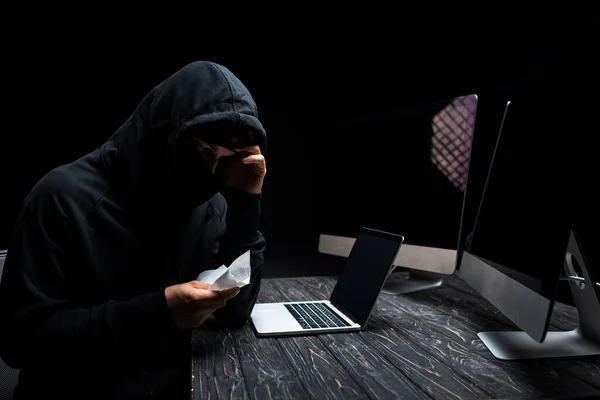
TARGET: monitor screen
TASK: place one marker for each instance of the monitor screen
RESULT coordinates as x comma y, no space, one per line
524,219
365,272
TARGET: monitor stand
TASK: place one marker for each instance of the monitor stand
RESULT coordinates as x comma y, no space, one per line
583,341
397,284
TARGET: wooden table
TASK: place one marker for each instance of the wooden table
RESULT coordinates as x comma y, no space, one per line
422,345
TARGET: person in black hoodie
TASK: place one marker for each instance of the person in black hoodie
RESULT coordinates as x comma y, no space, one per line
98,296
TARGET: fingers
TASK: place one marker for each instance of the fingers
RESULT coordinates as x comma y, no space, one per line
229,293
205,294
249,149
200,285
254,159
197,302
231,289
257,162
206,286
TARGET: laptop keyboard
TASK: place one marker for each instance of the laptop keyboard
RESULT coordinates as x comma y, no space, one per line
315,315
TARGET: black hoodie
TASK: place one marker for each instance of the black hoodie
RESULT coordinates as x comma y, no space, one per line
82,304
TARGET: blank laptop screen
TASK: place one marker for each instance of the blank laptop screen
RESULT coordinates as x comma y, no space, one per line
365,272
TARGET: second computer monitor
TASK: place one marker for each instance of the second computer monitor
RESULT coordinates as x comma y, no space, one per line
525,237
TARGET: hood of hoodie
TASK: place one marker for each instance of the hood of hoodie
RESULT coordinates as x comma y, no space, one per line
152,156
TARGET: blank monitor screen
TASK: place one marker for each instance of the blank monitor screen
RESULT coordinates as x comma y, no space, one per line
365,272
524,219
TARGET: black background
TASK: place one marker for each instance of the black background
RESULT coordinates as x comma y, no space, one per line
67,91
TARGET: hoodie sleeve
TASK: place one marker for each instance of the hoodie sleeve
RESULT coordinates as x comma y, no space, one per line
241,234
36,315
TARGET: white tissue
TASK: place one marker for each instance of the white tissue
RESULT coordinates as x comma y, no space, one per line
238,274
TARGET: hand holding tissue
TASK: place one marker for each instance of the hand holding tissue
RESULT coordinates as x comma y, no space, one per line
238,274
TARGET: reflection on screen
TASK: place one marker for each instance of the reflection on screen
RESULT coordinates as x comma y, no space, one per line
452,136
364,274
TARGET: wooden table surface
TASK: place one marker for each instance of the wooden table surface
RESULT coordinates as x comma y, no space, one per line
421,345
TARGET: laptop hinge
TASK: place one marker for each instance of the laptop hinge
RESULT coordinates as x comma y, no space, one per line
347,313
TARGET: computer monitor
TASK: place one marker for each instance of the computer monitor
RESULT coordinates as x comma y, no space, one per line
525,237
401,170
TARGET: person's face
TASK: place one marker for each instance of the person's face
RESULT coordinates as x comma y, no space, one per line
211,153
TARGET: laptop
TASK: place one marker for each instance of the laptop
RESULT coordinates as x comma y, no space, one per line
351,302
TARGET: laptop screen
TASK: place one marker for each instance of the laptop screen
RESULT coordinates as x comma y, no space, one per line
365,272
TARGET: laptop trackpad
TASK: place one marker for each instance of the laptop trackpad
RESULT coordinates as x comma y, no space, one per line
273,317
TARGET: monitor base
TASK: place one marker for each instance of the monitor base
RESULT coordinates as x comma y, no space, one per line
520,346
583,341
397,284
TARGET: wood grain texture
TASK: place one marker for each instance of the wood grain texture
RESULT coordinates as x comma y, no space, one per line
216,367
586,370
268,373
559,375
376,376
457,345
406,354
447,300
421,345
322,376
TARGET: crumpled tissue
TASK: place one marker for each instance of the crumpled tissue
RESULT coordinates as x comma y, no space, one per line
238,274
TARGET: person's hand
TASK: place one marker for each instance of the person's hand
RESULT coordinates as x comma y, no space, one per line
191,303
245,172
244,169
